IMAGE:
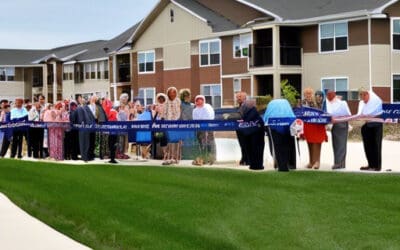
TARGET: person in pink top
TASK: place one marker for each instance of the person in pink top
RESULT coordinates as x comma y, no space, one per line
55,116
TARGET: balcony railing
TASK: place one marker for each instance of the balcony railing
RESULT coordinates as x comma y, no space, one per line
260,55
290,55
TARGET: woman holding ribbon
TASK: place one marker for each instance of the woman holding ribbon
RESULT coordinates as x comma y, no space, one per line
314,133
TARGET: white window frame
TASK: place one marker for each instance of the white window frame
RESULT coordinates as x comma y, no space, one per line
334,38
202,86
145,97
5,70
392,88
68,69
90,67
208,52
392,33
241,47
335,84
102,67
145,62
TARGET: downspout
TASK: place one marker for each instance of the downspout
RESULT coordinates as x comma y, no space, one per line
369,52
114,66
55,82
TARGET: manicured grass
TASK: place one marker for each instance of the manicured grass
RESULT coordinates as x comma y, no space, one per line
119,207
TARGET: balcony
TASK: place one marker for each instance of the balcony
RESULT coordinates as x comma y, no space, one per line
260,55
290,55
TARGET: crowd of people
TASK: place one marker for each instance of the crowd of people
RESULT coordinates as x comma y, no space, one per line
60,142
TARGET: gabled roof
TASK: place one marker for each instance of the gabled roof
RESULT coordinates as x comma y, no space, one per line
93,50
70,52
292,10
216,19
122,39
10,57
217,22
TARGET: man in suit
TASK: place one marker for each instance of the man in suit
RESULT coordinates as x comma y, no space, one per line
84,115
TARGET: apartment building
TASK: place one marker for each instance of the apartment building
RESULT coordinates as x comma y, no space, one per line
218,47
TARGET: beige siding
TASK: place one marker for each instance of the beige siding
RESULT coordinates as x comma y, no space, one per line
352,64
12,90
68,89
381,75
93,86
177,56
163,32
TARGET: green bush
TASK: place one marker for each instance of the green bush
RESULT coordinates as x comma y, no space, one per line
289,92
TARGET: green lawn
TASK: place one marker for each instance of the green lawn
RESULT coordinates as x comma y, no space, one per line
120,207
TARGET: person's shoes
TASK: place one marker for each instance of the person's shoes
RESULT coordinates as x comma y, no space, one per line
198,162
309,166
243,163
165,163
316,165
258,168
337,166
112,161
367,168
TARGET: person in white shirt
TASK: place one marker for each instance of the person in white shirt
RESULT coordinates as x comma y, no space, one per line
204,111
338,108
370,106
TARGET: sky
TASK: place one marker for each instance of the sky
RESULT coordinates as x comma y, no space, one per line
47,24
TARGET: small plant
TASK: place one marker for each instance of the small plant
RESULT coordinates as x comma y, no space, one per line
289,92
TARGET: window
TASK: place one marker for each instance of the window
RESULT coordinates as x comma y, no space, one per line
90,70
146,61
396,34
123,68
68,73
212,92
333,36
210,52
237,86
241,45
7,74
396,88
147,95
102,69
339,85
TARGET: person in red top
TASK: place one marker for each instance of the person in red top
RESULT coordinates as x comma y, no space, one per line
314,133
112,115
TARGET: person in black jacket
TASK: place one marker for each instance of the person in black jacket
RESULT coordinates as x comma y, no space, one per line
252,129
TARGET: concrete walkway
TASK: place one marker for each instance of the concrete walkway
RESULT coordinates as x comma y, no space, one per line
20,231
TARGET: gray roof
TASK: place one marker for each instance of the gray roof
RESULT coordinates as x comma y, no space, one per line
121,40
304,9
79,52
72,51
217,22
20,57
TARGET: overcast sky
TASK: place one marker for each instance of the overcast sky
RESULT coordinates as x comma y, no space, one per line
46,24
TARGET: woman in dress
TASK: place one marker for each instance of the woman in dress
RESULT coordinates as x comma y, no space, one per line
314,133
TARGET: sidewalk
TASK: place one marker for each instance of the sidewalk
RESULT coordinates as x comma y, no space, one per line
20,231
